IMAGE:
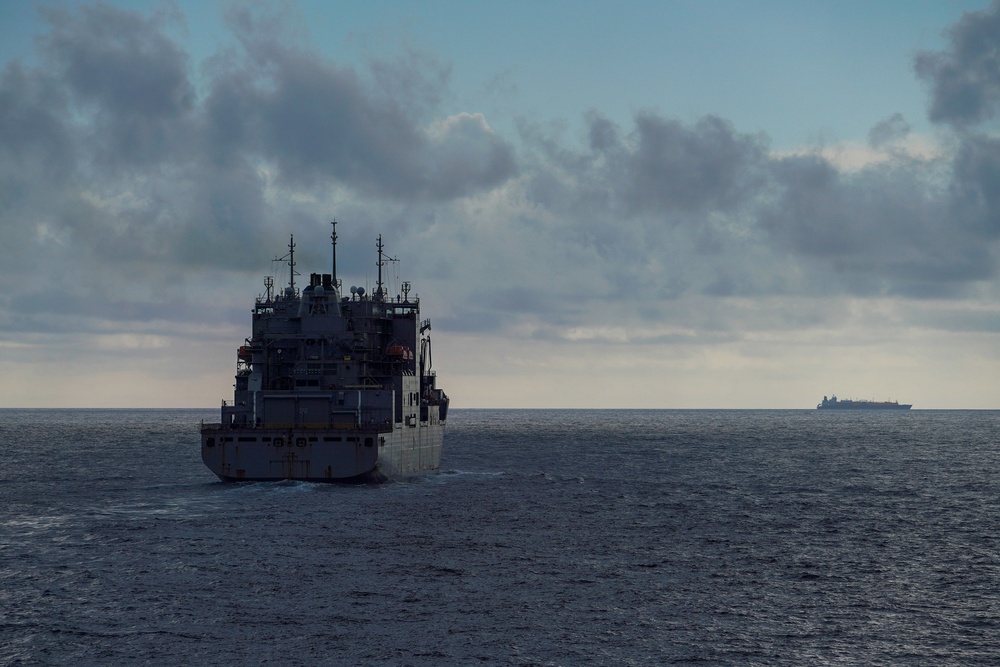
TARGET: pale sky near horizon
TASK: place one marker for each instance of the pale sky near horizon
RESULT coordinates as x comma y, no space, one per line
676,204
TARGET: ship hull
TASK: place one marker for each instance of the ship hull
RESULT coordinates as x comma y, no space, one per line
863,406
321,454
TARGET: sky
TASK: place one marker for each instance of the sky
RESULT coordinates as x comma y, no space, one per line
671,204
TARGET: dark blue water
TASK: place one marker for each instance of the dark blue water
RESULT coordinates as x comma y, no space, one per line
549,538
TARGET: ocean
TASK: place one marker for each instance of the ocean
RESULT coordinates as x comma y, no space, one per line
549,537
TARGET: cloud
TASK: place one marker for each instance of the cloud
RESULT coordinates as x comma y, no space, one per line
885,228
662,166
318,122
964,81
115,164
889,131
125,74
679,208
142,197
975,195
707,166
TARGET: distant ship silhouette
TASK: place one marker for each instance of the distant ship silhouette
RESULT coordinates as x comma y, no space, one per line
834,403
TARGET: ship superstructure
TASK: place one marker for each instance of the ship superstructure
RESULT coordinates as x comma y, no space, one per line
330,386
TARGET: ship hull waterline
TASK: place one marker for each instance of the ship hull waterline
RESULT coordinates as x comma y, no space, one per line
321,454
879,408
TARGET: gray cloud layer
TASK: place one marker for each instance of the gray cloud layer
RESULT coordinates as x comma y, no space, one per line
120,167
965,80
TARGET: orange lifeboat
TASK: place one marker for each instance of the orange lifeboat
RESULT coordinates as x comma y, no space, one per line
400,352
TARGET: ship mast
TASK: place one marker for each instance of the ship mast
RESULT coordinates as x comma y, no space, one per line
333,239
291,262
378,291
382,259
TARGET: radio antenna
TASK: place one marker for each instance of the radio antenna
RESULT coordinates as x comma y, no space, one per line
333,239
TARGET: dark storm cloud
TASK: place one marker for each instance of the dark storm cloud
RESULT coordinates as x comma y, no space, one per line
964,81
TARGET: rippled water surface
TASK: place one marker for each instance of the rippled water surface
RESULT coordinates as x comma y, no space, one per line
548,538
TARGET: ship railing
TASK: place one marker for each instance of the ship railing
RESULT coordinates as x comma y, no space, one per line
372,422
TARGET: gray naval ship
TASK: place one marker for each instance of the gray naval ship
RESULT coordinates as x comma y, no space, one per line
331,387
